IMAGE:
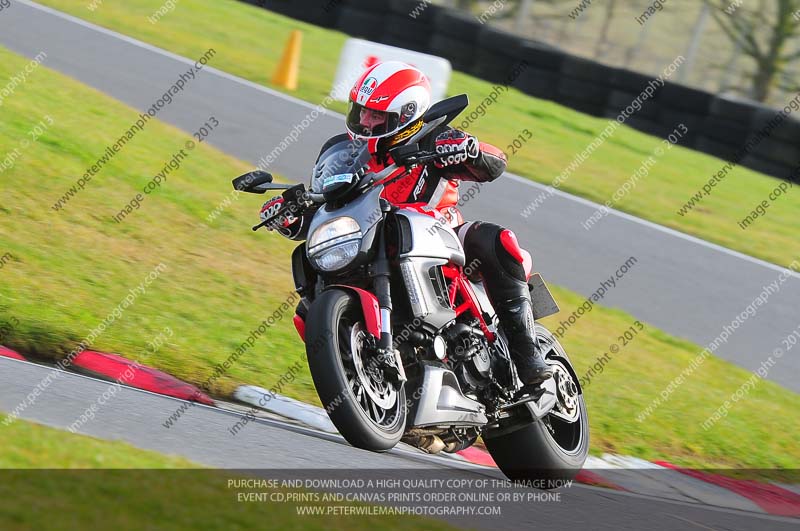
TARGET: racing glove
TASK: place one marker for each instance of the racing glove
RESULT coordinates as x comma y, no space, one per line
450,143
279,217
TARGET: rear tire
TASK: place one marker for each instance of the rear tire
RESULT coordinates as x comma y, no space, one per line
550,449
334,324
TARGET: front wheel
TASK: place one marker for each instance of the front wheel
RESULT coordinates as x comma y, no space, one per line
367,409
556,446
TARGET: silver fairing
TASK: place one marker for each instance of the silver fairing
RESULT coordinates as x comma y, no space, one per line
432,238
441,403
432,244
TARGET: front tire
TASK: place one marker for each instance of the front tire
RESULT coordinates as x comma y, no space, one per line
368,410
552,449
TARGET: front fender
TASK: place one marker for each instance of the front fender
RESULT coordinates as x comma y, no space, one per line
369,307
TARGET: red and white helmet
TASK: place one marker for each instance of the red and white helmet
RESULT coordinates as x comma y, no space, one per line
387,103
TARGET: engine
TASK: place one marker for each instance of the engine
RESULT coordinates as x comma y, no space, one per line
469,356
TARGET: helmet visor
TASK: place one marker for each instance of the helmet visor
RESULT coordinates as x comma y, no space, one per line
370,123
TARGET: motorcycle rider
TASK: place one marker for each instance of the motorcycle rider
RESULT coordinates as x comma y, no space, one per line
386,107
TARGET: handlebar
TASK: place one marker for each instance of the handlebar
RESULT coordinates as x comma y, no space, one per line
408,163
373,179
427,156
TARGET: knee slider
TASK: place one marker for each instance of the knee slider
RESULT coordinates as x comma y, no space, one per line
514,259
497,250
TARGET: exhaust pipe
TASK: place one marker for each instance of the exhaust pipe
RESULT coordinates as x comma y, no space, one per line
433,444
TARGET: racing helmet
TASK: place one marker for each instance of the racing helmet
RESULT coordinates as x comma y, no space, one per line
386,105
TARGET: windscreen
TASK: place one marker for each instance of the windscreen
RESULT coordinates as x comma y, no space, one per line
338,164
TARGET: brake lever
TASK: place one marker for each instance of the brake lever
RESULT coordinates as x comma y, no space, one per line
427,156
301,207
432,155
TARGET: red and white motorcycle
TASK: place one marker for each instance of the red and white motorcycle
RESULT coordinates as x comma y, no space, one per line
402,342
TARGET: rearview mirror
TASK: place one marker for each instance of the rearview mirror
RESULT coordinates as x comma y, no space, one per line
256,182
449,108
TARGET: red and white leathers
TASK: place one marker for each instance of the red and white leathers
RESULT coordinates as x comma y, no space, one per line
490,249
431,187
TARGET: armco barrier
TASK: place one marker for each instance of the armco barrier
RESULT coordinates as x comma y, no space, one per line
651,127
629,81
714,147
497,54
459,53
770,167
725,130
375,6
717,125
407,32
544,62
457,24
538,83
685,98
788,130
542,55
455,38
315,12
585,96
584,85
776,149
670,117
406,8
737,111
368,25
619,101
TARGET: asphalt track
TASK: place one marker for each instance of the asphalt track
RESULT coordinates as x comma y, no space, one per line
683,285
203,436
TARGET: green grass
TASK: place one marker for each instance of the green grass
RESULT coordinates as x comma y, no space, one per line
137,489
249,41
32,446
71,268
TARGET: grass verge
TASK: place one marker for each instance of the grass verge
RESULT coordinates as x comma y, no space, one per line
248,41
69,271
138,489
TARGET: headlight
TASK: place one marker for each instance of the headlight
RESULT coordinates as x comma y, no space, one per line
335,243
337,256
334,229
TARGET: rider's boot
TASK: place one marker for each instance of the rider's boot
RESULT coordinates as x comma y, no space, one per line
516,318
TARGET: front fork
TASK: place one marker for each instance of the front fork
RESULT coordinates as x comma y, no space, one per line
378,320
379,271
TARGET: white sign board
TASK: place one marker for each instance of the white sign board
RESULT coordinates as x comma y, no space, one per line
358,55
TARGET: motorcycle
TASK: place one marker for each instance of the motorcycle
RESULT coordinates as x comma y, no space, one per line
401,339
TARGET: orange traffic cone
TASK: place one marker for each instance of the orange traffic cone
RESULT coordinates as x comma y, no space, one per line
286,73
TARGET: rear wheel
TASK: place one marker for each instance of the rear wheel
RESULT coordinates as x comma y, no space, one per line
556,446
367,409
